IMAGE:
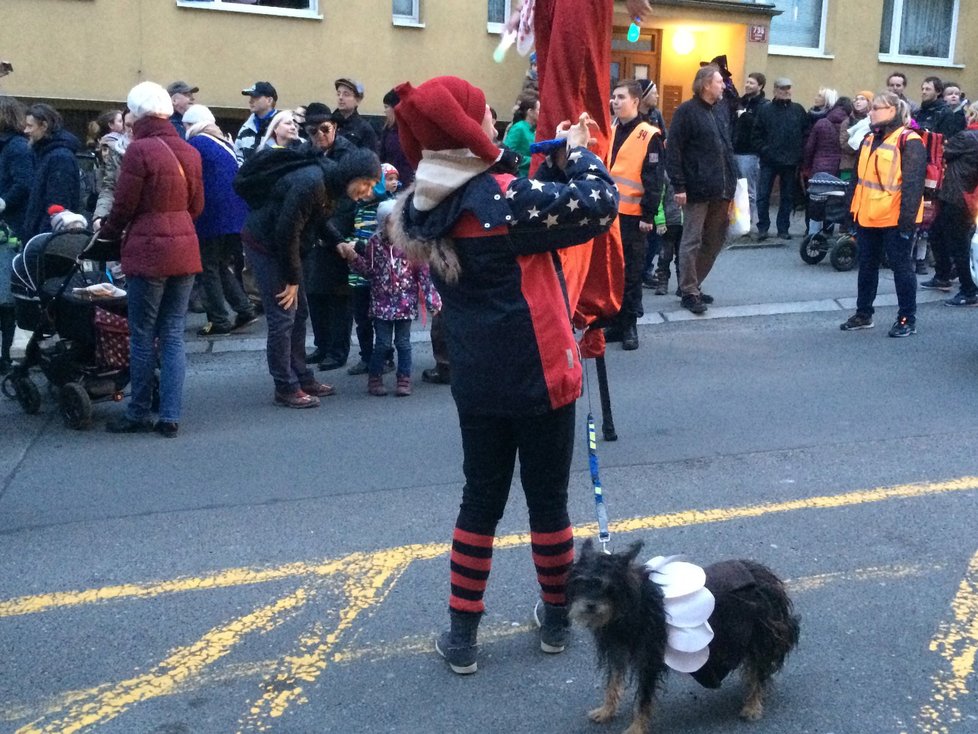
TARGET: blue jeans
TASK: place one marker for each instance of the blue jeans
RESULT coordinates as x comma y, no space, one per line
285,345
765,184
157,310
871,243
384,331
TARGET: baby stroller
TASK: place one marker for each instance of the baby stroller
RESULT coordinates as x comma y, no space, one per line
79,338
828,200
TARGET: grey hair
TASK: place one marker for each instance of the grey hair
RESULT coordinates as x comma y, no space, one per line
704,75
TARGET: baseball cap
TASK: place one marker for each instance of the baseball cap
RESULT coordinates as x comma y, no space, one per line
181,88
353,84
261,89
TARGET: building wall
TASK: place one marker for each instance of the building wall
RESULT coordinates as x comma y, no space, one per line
96,50
852,55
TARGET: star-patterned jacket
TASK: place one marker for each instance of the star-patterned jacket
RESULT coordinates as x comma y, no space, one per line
508,328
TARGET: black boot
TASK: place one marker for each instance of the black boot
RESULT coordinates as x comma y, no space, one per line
629,337
553,623
458,645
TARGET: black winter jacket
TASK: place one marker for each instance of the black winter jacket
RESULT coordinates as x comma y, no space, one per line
357,130
961,171
16,176
57,180
743,143
699,157
937,117
779,132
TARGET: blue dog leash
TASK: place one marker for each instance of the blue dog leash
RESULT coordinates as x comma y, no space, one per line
600,509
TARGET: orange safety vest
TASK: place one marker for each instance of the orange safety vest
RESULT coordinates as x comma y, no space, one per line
879,187
627,168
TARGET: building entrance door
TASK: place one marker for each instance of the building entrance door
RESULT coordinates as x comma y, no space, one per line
639,60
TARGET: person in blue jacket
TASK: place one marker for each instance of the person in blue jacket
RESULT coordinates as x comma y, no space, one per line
56,175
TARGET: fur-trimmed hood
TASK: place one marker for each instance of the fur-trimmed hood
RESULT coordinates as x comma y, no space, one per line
438,253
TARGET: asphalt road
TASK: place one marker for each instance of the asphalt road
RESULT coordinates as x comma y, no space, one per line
285,571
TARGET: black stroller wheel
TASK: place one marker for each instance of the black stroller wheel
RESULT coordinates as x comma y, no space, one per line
843,253
28,395
812,248
76,406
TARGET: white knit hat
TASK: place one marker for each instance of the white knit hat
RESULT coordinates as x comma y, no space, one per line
198,113
149,99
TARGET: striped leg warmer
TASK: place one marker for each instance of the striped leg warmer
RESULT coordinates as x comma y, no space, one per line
553,554
471,562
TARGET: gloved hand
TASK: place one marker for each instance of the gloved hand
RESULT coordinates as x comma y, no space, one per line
3,205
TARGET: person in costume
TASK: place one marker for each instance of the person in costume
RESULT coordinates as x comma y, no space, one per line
490,240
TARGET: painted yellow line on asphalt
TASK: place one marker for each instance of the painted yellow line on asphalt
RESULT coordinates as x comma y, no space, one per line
267,670
957,642
378,571
250,576
367,585
106,703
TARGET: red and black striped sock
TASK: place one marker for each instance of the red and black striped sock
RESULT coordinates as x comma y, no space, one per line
471,562
553,554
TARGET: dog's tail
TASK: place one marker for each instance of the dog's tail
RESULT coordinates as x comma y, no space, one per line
780,626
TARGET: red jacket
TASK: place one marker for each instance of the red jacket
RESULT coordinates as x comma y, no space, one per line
159,194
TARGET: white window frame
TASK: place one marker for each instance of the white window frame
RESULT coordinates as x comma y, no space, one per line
227,6
498,27
818,51
921,60
408,21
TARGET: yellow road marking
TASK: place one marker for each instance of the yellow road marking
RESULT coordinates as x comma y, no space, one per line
957,642
417,645
106,703
380,572
249,575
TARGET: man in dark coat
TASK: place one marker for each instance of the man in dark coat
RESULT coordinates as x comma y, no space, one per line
703,172
934,115
349,95
779,138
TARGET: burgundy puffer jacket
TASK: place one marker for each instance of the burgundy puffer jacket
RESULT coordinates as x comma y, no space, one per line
822,151
159,194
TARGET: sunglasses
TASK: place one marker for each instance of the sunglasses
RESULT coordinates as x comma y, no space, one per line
325,129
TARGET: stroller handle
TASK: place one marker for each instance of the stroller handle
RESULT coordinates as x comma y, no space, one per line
99,250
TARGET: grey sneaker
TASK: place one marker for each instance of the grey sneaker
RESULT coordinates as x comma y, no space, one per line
936,284
962,300
903,327
360,368
458,645
857,321
553,623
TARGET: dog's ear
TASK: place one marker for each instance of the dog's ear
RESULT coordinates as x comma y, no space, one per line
633,550
587,547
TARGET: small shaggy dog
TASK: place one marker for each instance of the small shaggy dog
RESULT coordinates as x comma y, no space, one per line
644,620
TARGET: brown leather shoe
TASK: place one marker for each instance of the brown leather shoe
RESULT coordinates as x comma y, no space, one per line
297,399
318,389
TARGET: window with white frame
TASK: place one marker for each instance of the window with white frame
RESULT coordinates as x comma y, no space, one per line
800,27
298,8
919,29
499,12
407,11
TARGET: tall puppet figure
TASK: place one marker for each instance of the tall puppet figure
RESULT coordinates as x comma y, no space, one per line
573,43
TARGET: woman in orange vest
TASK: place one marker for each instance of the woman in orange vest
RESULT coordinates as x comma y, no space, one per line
887,206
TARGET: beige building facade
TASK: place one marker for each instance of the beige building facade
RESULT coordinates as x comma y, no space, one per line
85,55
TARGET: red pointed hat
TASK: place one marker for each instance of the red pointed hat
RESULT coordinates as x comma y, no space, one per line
443,113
